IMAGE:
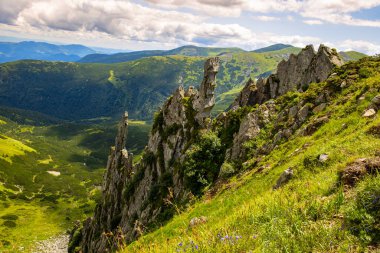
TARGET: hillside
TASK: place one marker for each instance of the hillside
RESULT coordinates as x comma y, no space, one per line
329,204
50,173
274,47
12,51
276,179
73,90
352,55
131,56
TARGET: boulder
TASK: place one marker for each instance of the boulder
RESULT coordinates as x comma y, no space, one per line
284,178
369,113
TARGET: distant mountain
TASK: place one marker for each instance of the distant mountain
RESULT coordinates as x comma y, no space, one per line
75,91
352,55
12,51
274,47
184,50
120,57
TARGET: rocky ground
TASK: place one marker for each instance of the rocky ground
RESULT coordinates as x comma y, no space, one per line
57,244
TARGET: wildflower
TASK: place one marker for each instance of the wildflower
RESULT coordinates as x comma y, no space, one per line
180,244
196,247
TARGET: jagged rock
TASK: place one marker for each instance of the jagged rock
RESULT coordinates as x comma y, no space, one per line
204,100
369,113
125,209
294,74
244,95
249,128
284,178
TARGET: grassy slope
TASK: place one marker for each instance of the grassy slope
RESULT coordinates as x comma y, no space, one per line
34,204
352,55
305,215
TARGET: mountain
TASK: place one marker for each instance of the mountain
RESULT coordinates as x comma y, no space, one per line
292,166
273,47
72,91
131,56
352,55
12,51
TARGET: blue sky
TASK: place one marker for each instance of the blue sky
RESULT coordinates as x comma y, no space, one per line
164,24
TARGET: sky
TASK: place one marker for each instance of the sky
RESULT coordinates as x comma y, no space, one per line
165,24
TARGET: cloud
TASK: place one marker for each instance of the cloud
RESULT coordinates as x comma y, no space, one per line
313,22
266,18
360,46
332,11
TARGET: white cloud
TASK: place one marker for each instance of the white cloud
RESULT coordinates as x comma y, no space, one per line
266,18
360,46
313,22
331,11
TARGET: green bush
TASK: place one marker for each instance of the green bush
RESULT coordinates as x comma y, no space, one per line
202,162
226,170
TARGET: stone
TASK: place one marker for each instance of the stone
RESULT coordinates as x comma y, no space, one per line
323,157
284,178
303,113
319,108
292,112
376,100
369,113
197,221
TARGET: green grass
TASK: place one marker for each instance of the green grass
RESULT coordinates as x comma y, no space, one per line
309,214
45,204
224,100
10,147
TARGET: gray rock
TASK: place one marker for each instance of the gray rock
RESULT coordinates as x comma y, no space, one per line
204,100
323,158
376,100
284,178
292,75
319,108
303,113
369,113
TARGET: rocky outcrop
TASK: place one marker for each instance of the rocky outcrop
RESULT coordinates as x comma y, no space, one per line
204,100
294,74
136,197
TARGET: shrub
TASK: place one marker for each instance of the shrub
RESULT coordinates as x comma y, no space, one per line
226,170
202,162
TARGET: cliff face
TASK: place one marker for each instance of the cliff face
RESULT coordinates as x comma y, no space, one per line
295,74
136,196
